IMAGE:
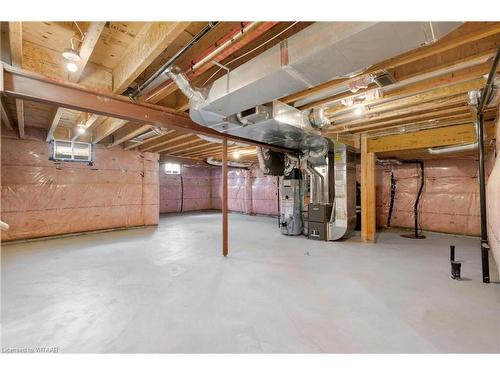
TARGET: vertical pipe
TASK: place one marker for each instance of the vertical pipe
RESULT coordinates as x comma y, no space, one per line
452,253
485,97
415,208
482,200
224,197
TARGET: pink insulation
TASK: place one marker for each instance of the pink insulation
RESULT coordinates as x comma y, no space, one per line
449,201
43,198
264,193
195,187
249,191
493,205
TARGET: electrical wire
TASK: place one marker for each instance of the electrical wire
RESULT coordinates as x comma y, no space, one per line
251,51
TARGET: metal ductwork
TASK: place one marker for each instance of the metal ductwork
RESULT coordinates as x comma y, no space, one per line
242,102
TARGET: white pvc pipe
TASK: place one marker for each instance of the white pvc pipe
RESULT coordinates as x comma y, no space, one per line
447,150
4,226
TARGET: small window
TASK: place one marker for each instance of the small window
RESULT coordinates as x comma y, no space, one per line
71,151
172,168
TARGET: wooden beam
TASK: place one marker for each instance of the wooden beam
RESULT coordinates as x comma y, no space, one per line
5,115
414,56
16,57
89,42
439,47
169,140
399,109
368,196
56,117
191,148
403,90
180,147
149,140
124,135
16,43
462,111
20,84
445,136
20,117
143,51
92,35
435,137
139,55
224,199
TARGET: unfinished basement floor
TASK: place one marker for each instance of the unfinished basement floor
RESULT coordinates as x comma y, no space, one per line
168,289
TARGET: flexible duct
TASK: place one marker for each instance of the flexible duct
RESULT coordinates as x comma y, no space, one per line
262,156
218,163
219,140
195,96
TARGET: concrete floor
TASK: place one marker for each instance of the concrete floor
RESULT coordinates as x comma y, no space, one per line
168,289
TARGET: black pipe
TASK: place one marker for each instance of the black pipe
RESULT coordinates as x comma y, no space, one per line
416,235
279,203
452,253
485,97
415,207
174,58
393,194
182,193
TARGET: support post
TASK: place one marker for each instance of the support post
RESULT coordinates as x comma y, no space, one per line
483,101
224,197
368,202
482,200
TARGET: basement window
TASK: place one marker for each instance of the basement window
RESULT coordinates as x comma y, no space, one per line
71,151
172,168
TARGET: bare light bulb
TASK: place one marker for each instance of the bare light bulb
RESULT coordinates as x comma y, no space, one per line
72,67
359,110
236,155
80,130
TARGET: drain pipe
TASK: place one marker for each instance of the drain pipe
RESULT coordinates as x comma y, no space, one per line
485,97
447,150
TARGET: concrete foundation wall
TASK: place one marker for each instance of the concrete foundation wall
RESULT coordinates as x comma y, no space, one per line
41,197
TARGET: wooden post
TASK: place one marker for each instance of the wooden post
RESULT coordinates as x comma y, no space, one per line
368,198
224,197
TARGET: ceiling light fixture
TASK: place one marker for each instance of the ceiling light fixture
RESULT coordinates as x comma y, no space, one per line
236,155
80,129
71,54
72,67
359,110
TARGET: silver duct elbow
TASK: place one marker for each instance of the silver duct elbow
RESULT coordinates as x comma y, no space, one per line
262,156
195,96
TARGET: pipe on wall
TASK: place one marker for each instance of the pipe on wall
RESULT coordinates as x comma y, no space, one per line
447,150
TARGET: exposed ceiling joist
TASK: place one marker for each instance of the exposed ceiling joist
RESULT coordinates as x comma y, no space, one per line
16,57
24,85
87,47
140,54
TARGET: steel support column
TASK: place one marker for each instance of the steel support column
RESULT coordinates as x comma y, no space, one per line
224,198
